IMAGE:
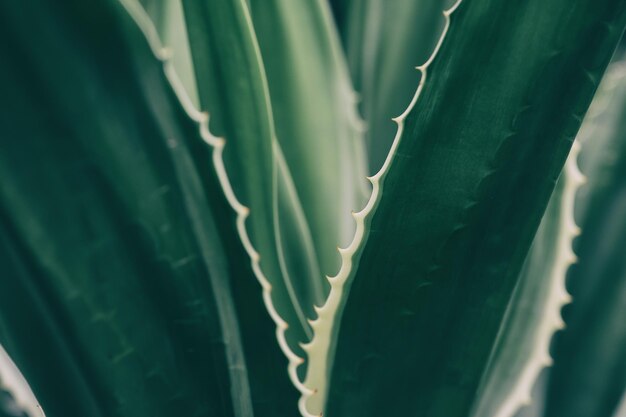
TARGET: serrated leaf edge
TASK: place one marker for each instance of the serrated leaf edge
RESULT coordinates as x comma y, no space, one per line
317,349
13,382
557,292
163,54
559,296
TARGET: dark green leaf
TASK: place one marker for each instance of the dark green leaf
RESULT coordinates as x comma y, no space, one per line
123,288
471,176
534,313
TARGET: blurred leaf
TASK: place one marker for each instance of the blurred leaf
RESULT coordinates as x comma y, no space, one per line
589,374
169,20
124,287
384,42
534,313
316,120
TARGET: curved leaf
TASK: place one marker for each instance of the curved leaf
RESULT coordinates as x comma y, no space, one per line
121,296
492,128
315,118
534,313
169,21
232,86
384,42
589,374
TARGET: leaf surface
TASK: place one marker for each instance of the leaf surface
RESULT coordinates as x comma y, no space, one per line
522,349
464,190
384,42
232,86
589,374
316,121
122,294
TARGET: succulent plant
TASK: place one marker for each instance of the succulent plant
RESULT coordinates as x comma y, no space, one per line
205,209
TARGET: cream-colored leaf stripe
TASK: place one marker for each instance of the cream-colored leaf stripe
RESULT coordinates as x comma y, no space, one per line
289,188
557,293
13,382
350,100
316,381
313,389
277,169
163,54
557,296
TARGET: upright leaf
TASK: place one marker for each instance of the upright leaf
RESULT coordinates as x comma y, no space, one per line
384,42
522,350
316,119
169,21
272,392
120,295
233,88
589,374
464,190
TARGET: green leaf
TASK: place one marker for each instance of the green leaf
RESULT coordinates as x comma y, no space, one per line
316,120
123,288
169,21
233,88
589,373
534,313
464,190
384,42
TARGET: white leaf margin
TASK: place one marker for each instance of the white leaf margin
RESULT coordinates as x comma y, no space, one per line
557,294
12,381
163,54
318,349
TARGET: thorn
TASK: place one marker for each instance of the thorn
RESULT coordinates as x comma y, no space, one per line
342,251
559,323
331,280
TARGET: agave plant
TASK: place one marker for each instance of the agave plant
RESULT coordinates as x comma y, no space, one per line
188,227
